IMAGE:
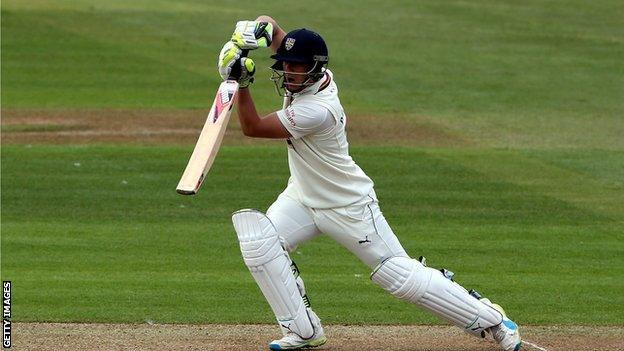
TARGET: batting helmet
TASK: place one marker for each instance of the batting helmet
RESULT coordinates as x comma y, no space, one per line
302,46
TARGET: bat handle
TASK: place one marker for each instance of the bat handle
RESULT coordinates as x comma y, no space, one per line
236,70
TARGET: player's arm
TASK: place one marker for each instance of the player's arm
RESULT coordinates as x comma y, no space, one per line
255,126
244,68
250,35
278,32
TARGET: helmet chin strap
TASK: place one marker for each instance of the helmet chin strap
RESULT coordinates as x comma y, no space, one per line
281,86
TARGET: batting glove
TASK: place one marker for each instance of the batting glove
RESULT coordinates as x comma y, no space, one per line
250,35
229,56
247,70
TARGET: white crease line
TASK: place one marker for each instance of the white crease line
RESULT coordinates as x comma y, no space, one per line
533,345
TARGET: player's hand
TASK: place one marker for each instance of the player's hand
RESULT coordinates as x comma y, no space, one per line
229,56
233,66
247,70
250,35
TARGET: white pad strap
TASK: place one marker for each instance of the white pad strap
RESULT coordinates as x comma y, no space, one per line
409,280
270,266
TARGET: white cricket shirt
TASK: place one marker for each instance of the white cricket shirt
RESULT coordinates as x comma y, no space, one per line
322,173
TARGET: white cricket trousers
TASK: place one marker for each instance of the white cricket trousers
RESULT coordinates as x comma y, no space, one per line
361,227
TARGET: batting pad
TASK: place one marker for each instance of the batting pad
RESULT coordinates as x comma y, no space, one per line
269,264
409,280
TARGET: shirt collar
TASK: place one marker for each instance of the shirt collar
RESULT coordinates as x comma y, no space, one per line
317,86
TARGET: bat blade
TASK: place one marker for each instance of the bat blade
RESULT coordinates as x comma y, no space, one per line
209,140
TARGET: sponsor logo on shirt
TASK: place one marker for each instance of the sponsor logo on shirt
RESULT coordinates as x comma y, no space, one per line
290,116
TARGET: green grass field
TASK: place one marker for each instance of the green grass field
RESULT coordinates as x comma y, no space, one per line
530,212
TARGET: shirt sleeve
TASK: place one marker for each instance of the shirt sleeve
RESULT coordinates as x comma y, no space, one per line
303,120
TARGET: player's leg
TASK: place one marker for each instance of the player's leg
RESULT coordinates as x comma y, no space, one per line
429,288
292,221
270,266
363,230
294,226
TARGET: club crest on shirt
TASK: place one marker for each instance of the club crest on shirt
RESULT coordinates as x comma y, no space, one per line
290,42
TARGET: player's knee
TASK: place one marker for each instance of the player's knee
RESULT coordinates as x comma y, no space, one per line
403,277
288,247
259,242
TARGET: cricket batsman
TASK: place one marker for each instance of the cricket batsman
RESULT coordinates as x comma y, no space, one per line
328,192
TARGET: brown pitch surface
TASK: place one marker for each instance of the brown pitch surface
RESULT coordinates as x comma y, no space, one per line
91,337
182,127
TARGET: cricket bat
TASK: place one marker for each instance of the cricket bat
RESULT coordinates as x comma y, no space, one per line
209,140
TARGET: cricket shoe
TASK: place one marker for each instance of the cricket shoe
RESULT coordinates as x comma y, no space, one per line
292,341
506,334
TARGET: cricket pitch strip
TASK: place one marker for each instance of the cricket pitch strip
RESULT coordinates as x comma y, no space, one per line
89,337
